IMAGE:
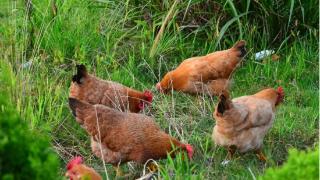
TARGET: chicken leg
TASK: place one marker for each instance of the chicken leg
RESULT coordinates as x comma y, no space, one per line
231,150
152,167
260,155
119,172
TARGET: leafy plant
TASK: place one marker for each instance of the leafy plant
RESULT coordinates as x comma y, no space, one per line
300,165
114,39
24,153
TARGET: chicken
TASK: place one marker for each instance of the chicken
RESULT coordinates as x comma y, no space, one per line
242,123
208,74
124,136
93,90
78,171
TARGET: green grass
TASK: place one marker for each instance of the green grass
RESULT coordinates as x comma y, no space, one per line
114,40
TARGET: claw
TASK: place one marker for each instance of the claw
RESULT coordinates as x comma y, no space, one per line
225,162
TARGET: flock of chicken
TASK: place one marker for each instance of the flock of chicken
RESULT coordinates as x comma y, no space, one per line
108,111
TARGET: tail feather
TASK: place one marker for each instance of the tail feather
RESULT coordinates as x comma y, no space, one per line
224,103
81,72
241,46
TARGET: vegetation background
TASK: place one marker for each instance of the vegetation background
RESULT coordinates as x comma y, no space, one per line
136,43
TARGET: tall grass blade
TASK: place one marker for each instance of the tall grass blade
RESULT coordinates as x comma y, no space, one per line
161,31
235,13
291,10
225,28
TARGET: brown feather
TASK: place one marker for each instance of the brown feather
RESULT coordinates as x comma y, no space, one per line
94,90
123,136
82,171
204,69
244,121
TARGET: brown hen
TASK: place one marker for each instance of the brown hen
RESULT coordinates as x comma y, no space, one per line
76,170
208,74
124,136
94,90
242,123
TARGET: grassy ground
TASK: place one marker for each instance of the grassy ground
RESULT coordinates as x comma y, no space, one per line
114,39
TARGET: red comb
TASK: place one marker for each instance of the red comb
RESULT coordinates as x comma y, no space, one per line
190,150
148,95
75,161
280,89
280,92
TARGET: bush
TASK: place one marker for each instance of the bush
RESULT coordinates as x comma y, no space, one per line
300,165
24,154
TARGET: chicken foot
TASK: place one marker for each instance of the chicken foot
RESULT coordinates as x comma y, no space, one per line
231,151
260,155
152,167
119,172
